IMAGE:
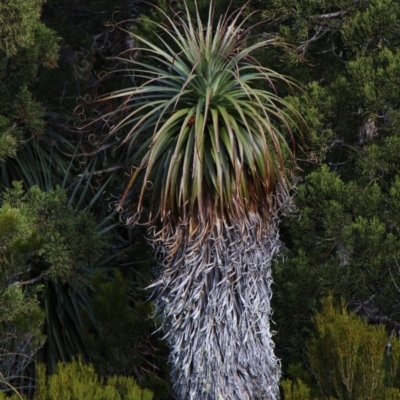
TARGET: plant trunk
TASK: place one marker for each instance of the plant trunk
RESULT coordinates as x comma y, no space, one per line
214,292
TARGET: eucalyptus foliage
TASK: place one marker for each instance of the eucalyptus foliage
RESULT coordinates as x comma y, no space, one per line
207,133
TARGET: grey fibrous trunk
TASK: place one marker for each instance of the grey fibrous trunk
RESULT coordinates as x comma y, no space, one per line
214,293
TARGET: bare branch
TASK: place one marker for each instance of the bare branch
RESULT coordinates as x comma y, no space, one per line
390,272
319,33
331,15
30,281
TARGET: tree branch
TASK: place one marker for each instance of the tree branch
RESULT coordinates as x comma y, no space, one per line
30,281
331,15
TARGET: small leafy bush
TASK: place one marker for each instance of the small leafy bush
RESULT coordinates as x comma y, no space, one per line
349,359
77,381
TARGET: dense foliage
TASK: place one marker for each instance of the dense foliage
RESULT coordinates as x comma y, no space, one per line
348,358
42,241
78,381
342,237
60,240
26,44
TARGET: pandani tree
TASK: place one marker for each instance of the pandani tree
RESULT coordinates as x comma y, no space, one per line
208,135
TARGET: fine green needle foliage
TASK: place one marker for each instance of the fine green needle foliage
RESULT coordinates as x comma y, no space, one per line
349,359
70,240
20,315
8,139
76,381
18,21
344,238
14,396
26,44
42,242
295,390
29,112
207,133
347,354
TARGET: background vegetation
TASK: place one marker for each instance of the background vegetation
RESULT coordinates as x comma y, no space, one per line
64,252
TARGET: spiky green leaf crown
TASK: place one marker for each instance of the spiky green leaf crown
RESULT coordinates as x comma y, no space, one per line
213,145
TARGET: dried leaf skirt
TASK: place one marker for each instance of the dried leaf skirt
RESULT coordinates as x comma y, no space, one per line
213,292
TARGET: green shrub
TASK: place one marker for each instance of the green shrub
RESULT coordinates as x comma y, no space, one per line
77,381
347,354
295,390
349,359
392,394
